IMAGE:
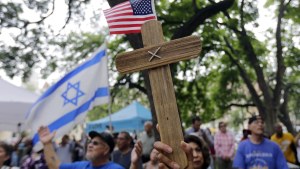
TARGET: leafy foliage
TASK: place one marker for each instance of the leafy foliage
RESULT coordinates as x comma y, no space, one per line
226,78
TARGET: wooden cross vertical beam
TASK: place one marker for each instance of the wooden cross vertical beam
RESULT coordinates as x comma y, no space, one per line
156,56
164,97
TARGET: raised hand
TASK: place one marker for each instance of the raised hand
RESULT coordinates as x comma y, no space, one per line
136,152
45,135
163,149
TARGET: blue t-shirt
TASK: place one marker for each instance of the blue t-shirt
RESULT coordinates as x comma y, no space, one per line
266,155
88,165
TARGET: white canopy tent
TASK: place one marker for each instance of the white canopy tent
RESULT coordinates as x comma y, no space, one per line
14,104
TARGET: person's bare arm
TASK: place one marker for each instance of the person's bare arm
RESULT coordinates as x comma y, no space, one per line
50,155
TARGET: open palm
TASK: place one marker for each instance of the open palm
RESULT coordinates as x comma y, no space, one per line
136,152
45,135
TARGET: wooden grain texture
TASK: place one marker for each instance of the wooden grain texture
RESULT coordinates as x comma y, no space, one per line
164,97
170,52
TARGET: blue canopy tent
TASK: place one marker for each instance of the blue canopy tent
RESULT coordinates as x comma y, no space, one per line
130,118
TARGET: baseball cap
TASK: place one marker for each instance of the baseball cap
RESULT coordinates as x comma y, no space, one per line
106,137
254,118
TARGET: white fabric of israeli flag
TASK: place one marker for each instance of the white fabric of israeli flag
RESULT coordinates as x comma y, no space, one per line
66,103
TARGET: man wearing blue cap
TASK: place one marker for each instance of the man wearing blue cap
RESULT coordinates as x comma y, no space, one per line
257,151
98,152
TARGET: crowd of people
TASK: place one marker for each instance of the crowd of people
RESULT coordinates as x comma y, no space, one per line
124,150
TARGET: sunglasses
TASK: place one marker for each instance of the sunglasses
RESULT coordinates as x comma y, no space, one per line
95,143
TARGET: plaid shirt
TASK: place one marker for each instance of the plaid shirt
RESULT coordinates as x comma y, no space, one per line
224,144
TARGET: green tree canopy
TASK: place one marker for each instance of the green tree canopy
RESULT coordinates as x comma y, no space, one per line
236,70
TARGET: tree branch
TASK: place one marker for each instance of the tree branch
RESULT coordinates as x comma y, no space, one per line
255,96
283,116
69,15
235,30
43,18
195,6
224,12
285,6
245,42
239,105
280,61
284,105
26,22
125,79
191,26
137,86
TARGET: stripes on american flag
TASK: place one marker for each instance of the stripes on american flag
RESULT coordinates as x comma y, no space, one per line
128,17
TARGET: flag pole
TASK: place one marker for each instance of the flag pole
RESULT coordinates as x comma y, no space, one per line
109,102
109,115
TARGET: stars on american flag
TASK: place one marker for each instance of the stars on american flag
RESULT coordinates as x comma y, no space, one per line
141,7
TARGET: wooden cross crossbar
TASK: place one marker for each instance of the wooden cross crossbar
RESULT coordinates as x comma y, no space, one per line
170,52
156,56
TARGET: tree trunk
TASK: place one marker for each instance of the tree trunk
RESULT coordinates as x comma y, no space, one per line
270,120
283,114
286,120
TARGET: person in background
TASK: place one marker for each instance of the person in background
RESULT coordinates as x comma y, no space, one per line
153,163
109,129
19,150
286,142
28,145
147,139
32,160
122,156
195,129
65,149
258,151
297,140
134,136
195,149
98,152
224,147
201,155
36,160
211,139
78,151
245,134
115,136
5,155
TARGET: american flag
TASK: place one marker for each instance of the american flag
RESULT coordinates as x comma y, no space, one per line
129,16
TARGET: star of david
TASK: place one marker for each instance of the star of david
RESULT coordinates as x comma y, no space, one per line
72,93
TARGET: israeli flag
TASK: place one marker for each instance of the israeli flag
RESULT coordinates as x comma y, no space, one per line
66,103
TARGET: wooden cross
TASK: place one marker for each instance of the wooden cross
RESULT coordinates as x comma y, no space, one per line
156,56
